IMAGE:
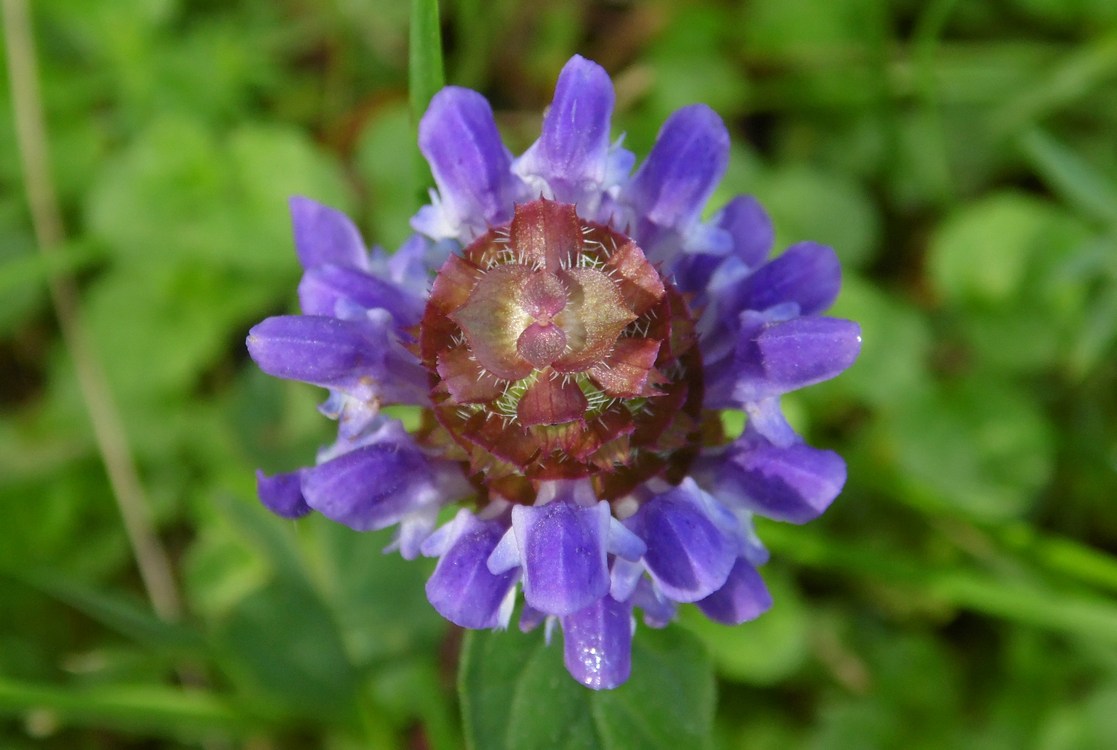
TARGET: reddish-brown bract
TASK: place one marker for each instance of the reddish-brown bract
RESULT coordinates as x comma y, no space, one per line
556,351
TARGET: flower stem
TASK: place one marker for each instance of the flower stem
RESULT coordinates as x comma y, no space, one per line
425,57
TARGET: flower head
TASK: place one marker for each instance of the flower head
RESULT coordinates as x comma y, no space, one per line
570,329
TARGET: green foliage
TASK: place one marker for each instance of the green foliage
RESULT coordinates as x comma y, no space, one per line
515,693
983,449
958,156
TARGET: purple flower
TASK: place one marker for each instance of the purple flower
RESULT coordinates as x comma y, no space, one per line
570,327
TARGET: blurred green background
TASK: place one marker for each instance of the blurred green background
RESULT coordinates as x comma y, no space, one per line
961,157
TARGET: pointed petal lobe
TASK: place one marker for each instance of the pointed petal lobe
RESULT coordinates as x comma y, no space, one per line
571,155
784,357
325,235
281,494
462,589
688,555
744,597
689,158
562,545
597,643
371,487
795,483
808,274
459,139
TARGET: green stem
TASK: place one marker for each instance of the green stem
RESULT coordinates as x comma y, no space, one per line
425,58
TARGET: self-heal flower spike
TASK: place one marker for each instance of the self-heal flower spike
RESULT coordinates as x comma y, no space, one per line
569,326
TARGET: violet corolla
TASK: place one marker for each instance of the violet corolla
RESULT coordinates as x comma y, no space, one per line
570,329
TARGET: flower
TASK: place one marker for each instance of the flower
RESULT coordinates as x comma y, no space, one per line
570,329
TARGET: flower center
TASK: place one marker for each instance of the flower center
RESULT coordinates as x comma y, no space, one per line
556,351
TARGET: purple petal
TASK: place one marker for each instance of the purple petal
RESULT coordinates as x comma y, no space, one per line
692,272
571,154
415,526
729,353
597,644
689,158
321,350
748,224
459,139
741,305
714,286
324,286
281,494
766,420
784,357
795,483
372,487
562,547
744,596
462,589
624,576
688,555
411,264
361,357
658,610
530,618
623,543
707,239
325,235
807,273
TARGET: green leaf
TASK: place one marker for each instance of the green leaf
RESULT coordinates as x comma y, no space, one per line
410,690
21,269
152,710
1076,76
764,651
271,537
980,447
386,155
1057,609
220,570
1091,723
180,193
1061,555
281,644
24,273
157,329
801,26
897,710
1079,182
827,52
125,616
895,342
516,693
72,524
981,253
1073,15
269,164
689,65
1097,335
1006,265
358,580
828,207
